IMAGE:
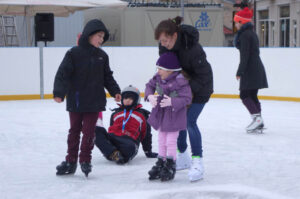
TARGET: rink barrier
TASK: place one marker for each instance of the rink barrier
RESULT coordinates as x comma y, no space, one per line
28,79
224,96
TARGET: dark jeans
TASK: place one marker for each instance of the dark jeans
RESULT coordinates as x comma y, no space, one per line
194,133
108,143
85,122
250,100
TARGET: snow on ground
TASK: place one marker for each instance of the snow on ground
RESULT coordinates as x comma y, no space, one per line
238,165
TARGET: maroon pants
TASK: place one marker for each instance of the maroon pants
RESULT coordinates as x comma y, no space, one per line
85,122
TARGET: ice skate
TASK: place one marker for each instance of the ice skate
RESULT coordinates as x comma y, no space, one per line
86,168
183,161
117,157
154,173
196,171
257,125
66,168
169,170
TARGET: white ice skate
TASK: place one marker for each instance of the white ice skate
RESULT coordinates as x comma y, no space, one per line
256,125
183,161
196,171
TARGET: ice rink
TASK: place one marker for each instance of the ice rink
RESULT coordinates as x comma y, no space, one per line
237,165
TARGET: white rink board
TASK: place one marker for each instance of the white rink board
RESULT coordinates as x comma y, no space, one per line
136,65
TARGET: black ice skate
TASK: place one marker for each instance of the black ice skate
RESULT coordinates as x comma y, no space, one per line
169,170
86,168
154,173
117,157
66,168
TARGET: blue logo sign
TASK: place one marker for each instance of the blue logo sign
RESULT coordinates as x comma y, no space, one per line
203,23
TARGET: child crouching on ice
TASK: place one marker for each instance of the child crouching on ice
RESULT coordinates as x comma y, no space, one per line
168,115
128,127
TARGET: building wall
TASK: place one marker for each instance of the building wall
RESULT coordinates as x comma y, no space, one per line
135,26
273,6
65,30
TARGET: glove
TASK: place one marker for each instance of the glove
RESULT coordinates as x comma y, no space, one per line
153,100
166,101
150,154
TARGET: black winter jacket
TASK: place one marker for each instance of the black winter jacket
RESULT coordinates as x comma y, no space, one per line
84,73
193,61
251,69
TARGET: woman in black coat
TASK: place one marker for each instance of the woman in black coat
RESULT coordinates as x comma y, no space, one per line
82,77
251,71
184,41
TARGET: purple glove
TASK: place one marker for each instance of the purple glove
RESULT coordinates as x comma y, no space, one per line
166,101
153,100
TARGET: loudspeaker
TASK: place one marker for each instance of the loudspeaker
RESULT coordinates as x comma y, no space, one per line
44,27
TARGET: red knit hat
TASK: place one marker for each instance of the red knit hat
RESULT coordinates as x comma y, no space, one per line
243,16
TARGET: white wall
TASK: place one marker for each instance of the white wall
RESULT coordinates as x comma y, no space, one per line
19,69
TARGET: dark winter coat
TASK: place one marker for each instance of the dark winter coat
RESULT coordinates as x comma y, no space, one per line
84,73
136,128
170,118
251,69
193,61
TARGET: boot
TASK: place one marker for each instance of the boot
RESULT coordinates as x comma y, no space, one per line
169,170
257,123
117,157
197,170
154,173
183,161
66,168
86,168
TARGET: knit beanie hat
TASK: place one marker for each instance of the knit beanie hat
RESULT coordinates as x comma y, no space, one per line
168,61
243,16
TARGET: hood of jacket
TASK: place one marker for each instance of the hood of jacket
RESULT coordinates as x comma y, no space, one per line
187,37
90,28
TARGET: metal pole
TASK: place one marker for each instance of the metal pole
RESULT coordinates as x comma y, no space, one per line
182,8
254,13
41,73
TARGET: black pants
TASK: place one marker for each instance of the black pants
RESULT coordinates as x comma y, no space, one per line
108,143
252,93
250,100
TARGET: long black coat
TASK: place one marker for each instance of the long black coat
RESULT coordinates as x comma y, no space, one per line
84,73
193,61
251,69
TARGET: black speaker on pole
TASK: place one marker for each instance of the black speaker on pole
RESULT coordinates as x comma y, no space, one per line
44,27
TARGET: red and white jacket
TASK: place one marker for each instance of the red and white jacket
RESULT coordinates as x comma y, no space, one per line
135,127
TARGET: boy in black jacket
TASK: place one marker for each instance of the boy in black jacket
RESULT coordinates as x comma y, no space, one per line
128,127
82,77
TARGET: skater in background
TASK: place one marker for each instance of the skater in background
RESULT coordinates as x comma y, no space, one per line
168,115
82,77
184,41
128,128
251,72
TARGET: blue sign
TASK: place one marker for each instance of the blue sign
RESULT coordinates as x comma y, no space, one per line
203,23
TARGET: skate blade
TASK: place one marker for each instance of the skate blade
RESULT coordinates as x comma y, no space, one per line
64,174
154,178
182,168
166,179
195,179
256,131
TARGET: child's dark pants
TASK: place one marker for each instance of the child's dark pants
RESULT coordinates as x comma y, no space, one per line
108,143
85,122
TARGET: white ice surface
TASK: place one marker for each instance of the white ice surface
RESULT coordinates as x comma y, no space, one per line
237,165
